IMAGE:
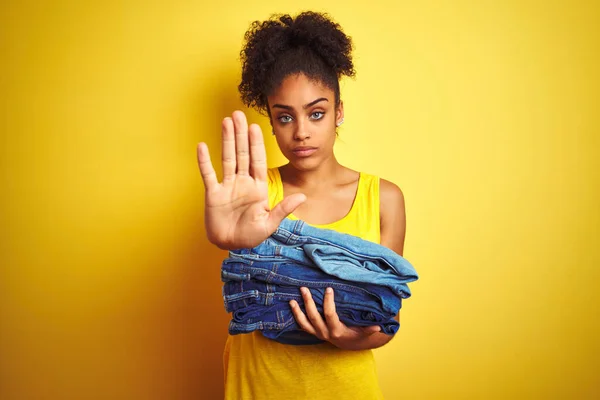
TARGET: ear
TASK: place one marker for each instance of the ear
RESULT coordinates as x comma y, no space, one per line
339,114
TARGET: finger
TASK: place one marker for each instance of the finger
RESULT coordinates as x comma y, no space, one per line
228,149
301,318
313,314
334,325
283,209
241,143
209,176
258,154
369,330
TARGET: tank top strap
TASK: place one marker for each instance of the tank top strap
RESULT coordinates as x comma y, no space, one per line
275,187
366,207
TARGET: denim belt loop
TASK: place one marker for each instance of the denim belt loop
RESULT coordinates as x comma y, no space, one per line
269,299
298,227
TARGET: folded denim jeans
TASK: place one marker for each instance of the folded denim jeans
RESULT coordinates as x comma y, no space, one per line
277,322
291,276
369,281
338,254
251,302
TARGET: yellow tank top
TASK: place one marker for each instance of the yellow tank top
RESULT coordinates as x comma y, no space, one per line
260,368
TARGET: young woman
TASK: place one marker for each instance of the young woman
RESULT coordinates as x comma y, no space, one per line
291,71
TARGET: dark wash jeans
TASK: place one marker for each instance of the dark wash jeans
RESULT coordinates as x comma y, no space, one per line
369,281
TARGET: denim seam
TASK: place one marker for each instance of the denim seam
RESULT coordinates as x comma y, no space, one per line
270,274
242,258
262,325
317,240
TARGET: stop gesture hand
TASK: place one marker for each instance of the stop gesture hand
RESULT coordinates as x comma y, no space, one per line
237,213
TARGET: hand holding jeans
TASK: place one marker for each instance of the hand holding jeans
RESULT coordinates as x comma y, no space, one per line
331,328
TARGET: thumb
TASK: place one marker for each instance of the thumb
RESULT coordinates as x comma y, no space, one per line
283,209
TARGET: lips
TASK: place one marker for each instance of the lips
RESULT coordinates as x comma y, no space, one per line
304,151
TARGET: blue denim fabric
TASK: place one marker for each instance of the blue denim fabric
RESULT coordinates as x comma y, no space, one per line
258,298
369,281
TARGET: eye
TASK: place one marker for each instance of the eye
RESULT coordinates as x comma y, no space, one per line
317,115
284,119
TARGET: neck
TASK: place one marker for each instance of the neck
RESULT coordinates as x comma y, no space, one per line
324,174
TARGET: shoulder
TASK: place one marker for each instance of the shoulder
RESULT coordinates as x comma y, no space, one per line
390,194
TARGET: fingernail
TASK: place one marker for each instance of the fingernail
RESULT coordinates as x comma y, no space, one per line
304,290
292,303
329,290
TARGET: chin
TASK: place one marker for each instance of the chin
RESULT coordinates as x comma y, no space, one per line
305,164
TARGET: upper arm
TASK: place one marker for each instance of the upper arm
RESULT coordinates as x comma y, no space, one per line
392,216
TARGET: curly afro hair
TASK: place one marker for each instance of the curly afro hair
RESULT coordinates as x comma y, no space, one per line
281,46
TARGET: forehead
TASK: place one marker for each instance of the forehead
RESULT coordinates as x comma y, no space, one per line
298,89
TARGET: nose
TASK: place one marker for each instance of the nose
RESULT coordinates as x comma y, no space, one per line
301,132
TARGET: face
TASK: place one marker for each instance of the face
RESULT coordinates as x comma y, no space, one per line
304,118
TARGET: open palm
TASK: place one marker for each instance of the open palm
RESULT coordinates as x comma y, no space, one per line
236,212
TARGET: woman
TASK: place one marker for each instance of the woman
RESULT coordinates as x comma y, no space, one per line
291,71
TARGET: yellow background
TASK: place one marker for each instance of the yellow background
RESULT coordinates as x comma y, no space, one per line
484,113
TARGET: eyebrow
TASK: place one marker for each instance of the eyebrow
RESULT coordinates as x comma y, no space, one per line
312,103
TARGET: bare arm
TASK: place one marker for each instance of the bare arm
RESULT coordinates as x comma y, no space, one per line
393,232
393,227
392,216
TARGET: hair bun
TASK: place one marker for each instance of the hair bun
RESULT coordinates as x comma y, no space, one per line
287,20
325,38
299,36
311,43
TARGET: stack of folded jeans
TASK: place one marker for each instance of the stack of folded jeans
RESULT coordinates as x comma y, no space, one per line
369,281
